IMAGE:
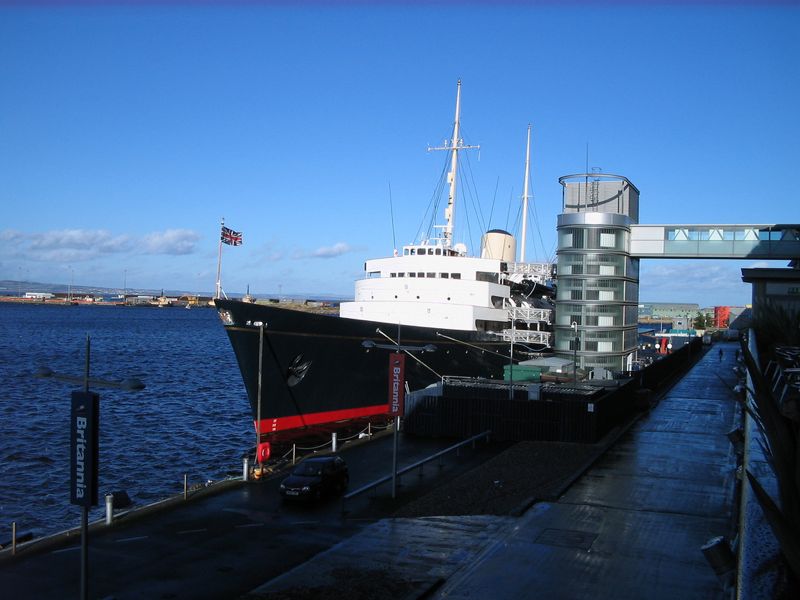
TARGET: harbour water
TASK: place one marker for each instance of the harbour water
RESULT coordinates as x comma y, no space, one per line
192,418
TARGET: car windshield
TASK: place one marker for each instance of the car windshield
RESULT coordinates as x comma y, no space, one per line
307,469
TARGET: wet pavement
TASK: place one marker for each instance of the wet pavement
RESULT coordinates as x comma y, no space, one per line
216,546
631,527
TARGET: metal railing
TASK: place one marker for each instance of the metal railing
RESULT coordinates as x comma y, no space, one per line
417,465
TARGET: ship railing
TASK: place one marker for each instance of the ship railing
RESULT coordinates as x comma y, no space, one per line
420,464
296,452
528,314
526,336
543,270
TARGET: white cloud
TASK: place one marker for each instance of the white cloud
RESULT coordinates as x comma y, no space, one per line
9,235
171,241
65,245
337,249
81,245
90,241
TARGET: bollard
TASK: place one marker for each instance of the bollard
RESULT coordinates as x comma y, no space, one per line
294,452
245,468
109,508
369,430
185,486
13,537
333,442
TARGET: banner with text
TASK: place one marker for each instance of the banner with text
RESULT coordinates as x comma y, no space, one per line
84,434
397,384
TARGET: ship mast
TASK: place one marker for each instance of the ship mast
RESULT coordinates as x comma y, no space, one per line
453,146
525,195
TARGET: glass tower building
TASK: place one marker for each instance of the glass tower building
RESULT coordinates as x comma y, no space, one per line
598,280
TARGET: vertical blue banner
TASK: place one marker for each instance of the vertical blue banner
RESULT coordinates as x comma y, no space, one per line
83,445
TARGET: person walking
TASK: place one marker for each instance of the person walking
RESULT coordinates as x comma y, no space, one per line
720,355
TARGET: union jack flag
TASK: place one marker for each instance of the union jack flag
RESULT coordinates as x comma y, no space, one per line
231,237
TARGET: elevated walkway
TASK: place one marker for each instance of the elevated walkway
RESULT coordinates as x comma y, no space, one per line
757,242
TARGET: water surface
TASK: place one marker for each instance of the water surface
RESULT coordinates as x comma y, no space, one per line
192,417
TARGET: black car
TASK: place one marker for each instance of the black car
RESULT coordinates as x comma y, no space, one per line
316,477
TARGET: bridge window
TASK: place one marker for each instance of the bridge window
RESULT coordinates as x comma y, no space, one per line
455,275
571,238
608,239
444,275
438,252
412,274
431,275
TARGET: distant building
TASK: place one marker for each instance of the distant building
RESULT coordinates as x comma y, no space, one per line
38,295
666,311
722,316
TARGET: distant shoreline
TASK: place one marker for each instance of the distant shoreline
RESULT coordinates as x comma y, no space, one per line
82,302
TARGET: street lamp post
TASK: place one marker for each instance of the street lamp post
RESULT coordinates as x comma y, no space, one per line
575,352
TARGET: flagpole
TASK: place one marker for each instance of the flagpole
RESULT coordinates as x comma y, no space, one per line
219,260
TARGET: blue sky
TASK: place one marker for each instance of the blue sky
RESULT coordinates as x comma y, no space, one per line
127,132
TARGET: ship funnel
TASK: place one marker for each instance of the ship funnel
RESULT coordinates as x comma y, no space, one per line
499,244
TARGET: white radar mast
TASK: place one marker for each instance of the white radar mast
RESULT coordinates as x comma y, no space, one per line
454,145
525,196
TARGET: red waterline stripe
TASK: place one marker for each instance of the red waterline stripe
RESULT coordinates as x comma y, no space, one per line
296,421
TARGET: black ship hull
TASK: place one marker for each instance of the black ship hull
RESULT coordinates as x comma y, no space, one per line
317,368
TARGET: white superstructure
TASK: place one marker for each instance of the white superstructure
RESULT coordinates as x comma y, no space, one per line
435,284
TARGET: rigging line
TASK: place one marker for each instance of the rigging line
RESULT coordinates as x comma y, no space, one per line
470,237
391,212
494,199
433,206
508,211
439,192
517,220
535,222
378,330
452,339
476,204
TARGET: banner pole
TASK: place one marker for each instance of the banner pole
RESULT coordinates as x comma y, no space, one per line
219,260
84,507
